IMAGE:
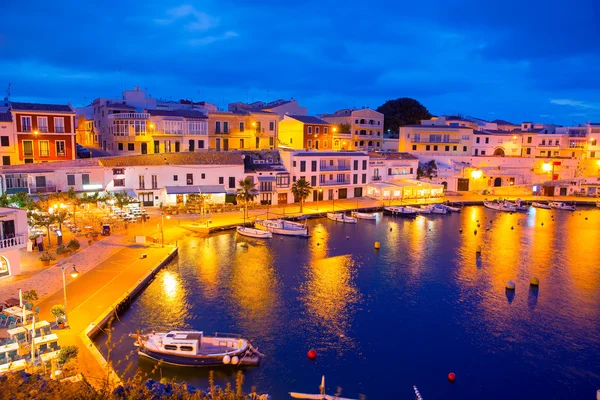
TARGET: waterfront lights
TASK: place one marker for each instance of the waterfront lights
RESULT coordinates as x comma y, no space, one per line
476,174
334,129
74,273
546,167
151,126
36,132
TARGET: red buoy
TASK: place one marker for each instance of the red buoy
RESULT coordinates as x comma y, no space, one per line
312,354
451,377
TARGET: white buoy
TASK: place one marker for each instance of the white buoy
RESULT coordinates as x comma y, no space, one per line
235,360
510,285
226,360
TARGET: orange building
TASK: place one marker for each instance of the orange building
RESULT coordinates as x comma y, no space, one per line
304,132
45,132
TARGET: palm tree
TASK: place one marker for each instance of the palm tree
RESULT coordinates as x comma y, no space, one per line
245,193
301,190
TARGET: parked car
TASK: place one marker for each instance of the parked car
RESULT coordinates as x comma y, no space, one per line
83,153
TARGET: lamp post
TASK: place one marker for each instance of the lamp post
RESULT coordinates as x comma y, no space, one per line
162,230
74,274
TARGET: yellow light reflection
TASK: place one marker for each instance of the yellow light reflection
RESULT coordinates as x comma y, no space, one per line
170,285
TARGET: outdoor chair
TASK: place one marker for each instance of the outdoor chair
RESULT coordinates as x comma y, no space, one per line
3,359
21,337
3,320
37,310
43,348
29,307
12,322
12,355
47,330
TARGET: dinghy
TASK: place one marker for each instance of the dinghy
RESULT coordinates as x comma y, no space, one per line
561,206
341,217
254,233
541,205
320,396
361,215
499,206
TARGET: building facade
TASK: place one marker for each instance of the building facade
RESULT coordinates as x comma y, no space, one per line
242,130
305,132
358,129
436,140
8,141
14,236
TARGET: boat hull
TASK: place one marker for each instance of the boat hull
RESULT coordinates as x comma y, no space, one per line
541,205
498,207
342,218
254,233
399,212
364,216
197,361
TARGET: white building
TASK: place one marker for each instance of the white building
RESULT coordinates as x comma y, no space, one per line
13,237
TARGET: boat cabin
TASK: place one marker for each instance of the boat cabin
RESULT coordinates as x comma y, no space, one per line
183,341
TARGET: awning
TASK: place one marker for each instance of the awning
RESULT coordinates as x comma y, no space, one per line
266,179
130,192
191,189
212,189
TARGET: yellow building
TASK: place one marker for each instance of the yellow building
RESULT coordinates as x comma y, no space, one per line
305,132
242,131
436,140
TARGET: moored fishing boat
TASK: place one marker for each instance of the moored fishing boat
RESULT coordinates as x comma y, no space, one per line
190,348
320,396
561,206
282,227
435,209
499,206
341,217
361,215
400,211
518,205
451,208
541,205
418,210
254,233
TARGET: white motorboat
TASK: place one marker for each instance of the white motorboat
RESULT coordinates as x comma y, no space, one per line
320,396
541,205
518,205
451,208
418,210
561,206
254,233
361,215
499,206
282,227
400,211
341,217
190,348
436,209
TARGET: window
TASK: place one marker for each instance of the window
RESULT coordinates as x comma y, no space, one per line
302,166
167,146
130,146
477,140
85,179
175,178
364,178
189,179
309,129
529,139
313,180
119,182
355,165
25,124
324,144
185,348
173,127
200,144
71,180
317,130
221,180
120,146
231,182
271,126
414,147
483,152
142,184
428,147
282,180
118,171
197,128
202,176
476,152
59,124
326,130
435,148
156,146
177,147
191,144
454,148
309,143
464,148
447,148
528,150
4,141
355,179
5,160
241,127
364,165
294,163
44,148
225,127
42,124
592,154
170,347
272,142
218,127
313,165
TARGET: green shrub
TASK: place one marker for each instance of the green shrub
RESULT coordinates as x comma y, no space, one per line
73,244
62,250
47,257
67,353
58,310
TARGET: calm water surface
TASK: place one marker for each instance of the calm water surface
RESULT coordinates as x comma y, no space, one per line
382,321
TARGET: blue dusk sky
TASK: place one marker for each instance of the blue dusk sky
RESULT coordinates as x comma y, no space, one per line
516,60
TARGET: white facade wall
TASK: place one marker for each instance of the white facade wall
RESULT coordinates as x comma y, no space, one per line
10,257
381,170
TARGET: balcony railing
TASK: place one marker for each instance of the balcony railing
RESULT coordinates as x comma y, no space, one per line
222,131
549,145
334,183
335,167
367,125
43,129
26,128
18,240
42,189
129,116
429,141
376,178
59,129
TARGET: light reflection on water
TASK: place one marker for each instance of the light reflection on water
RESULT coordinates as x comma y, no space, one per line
382,321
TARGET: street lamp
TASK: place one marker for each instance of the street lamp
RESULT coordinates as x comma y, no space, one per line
162,231
74,274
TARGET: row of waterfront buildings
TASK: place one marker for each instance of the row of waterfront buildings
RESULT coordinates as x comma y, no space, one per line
470,154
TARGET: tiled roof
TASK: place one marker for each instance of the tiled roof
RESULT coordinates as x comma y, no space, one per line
5,117
308,119
212,158
50,166
177,113
393,155
58,108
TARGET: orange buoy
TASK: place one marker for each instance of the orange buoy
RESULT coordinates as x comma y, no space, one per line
312,354
451,377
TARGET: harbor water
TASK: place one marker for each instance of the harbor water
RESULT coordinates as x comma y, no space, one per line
381,321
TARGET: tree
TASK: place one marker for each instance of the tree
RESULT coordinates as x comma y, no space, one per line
428,170
401,112
301,190
22,200
42,219
60,216
344,128
246,192
122,199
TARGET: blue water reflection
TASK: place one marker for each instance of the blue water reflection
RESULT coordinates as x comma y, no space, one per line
382,321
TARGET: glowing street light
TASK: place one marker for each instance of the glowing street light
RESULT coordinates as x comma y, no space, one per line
476,174
546,167
74,274
162,231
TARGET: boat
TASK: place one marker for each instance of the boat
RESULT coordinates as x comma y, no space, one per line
598,205
518,205
499,206
561,206
190,348
320,396
255,233
436,209
418,210
541,205
341,217
451,208
282,227
361,215
401,211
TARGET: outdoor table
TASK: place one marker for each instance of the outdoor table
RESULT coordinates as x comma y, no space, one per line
26,328
17,311
49,356
53,337
87,227
12,333
9,347
18,365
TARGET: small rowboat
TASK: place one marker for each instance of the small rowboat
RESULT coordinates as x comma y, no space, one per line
561,206
499,206
254,233
541,205
320,396
341,217
435,209
360,215
282,227
401,211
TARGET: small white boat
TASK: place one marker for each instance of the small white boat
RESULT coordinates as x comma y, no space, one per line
518,205
418,210
341,217
188,348
282,227
541,205
254,233
400,211
320,396
436,209
561,206
499,206
361,215
451,208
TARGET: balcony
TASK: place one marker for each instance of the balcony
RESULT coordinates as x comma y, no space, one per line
335,183
42,189
221,132
429,141
19,240
343,167
376,178
367,125
548,145
43,129
59,129
129,116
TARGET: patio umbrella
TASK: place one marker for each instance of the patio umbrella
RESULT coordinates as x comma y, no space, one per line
20,298
32,336
24,316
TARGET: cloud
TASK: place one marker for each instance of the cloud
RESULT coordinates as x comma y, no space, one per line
197,20
576,103
211,39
